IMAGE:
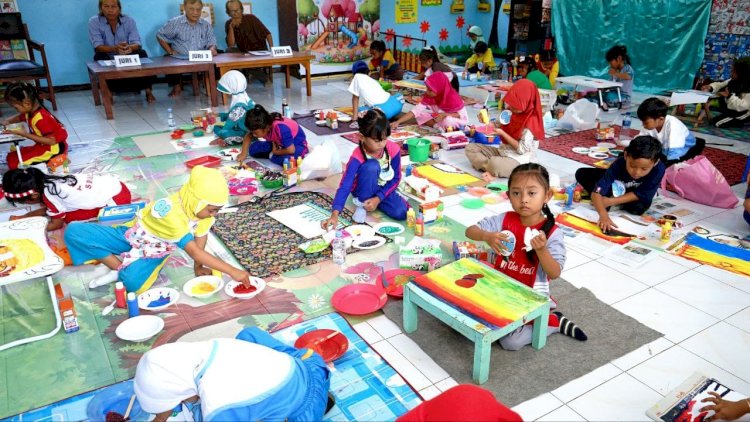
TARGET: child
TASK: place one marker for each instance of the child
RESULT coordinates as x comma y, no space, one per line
234,83
734,100
135,252
74,197
372,94
520,137
372,174
677,142
529,191
250,377
475,36
621,71
45,130
527,69
284,139
746,204
383,65
430,62
481,60
441,105
549,66
631,181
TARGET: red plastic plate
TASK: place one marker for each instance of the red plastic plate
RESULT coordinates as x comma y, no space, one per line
359,299
392,276
330,349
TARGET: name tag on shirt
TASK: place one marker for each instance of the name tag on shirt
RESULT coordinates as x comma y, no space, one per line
200,56
281,51
127,60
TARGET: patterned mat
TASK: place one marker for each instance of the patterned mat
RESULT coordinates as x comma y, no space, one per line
263,245
730,164
308,122
364,385
735,134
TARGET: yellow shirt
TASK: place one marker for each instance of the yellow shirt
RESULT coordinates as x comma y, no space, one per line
487,59
387,61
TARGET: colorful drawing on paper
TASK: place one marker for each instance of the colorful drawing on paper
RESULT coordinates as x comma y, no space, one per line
445,175
18,255
588,227
715,253
482,291
192,143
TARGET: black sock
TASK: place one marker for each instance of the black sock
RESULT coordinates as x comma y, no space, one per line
569,328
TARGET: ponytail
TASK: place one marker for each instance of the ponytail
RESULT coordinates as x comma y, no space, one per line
21,183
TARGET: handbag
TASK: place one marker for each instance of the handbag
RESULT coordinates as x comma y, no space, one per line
699,181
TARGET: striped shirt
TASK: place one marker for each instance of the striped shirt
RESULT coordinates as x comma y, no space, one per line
100,33
184,36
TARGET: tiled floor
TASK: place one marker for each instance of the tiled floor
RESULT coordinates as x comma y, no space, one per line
702,311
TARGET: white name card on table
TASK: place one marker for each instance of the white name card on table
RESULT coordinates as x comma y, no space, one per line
200,56
281,51
127,60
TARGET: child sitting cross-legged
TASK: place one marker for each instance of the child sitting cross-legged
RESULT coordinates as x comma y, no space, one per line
677,142
529,191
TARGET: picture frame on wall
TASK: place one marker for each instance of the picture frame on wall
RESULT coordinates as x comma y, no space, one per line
207,13
247,8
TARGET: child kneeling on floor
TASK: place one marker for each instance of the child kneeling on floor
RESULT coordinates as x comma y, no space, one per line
283,138
631,181
364,88
372,174
233,131
677,142
135,252
64,199
529,191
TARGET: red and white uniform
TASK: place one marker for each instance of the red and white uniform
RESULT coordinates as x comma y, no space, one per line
41,123
84,200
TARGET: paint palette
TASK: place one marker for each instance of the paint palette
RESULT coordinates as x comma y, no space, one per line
203,286
598,155
581,150
114,398
395,280
139,328
229,154
360,230
359,299
236,289
368,242
158,298
389,229
329,348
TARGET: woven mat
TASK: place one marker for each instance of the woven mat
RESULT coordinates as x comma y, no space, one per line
735,134
308,122
730,164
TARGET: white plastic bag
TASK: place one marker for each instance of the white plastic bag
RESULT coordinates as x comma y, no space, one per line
324,160
581,115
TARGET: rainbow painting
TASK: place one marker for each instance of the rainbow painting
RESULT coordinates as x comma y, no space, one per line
482,291
706,251
589,227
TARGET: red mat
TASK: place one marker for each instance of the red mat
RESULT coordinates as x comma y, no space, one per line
730,164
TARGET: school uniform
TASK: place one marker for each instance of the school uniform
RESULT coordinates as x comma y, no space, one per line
233,131
366,177
41,123
447,100
284,133
392,68
600,181
91,193
487,60
374,96
677,142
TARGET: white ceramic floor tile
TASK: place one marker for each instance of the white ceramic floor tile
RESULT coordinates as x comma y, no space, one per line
368,334
621,399
581,385
741,319
563,413
384,326
537,407
446,384
652,273
608,285
668,369
410,373
682,261
643,353
574,258
739,281
418,358
671,317
711,296
724,345
429,392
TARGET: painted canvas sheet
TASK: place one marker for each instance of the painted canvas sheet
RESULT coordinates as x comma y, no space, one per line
445,175
588,227
719,254
482,291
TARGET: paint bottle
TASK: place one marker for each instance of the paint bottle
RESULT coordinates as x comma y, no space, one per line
570,193
419,225
120,293
133,305
411,218
666,231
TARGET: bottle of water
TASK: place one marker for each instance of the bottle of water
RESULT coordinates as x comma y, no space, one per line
286,111
625,131
504,73
170,119
339,249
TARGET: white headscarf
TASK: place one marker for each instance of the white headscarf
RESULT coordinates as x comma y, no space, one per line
234,83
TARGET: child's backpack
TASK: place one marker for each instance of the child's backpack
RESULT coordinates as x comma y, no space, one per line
699,181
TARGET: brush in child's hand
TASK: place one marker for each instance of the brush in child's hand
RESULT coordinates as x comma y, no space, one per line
116,417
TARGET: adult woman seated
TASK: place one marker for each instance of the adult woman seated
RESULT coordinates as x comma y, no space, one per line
112,33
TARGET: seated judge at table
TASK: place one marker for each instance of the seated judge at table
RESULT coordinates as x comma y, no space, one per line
112,33
247,33
186,33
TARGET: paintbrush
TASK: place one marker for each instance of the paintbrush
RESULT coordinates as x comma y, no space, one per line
323,339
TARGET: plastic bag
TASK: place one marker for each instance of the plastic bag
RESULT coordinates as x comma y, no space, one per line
581,115
324,160
699,181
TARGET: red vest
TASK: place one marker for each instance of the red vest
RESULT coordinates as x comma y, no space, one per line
518,265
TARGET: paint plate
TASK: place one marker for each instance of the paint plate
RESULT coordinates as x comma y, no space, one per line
229,154
478,191
504,117
158,298
360,230
330,349
139,328
608,145
580,150
389,229
615,152
598,149
115,398
359,299
472,203
598,155
497,187
396,279
203,286
345,118
368,242
510,244
258,283
320,122
492,198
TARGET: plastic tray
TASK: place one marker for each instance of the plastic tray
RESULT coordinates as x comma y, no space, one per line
205,161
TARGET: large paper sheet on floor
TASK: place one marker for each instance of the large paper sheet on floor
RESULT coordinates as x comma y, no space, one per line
304,219
156,144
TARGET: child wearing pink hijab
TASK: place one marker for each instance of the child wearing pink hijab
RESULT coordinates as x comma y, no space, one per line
441,105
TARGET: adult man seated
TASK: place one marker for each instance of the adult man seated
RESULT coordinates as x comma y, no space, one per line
247,33
112,33
185,33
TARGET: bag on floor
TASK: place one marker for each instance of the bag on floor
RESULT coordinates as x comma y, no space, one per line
581,115
324,160
699,181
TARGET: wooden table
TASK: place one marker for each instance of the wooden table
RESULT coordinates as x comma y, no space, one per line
165,65
234,61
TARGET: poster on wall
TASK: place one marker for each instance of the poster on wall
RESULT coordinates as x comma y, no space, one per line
337,32
720,52
406,11
730,16
432,2
14,49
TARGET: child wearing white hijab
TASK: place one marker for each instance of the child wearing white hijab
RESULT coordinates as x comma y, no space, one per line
234,83
253,377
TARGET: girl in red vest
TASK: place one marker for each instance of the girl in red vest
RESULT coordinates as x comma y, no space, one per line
528,245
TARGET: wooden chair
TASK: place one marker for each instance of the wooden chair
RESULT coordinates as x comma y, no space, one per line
14,70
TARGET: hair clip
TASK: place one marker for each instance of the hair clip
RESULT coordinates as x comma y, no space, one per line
20,194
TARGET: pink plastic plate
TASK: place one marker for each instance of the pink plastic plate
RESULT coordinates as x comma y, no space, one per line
359,299
396,280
